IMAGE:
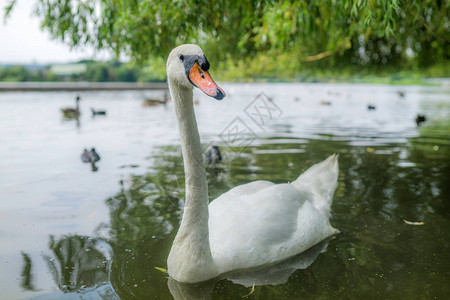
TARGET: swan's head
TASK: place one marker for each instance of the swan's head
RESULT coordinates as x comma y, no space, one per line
187,66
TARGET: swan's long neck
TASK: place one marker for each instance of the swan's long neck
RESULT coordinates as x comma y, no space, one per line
191,251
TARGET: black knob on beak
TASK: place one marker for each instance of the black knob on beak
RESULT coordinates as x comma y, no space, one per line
219,95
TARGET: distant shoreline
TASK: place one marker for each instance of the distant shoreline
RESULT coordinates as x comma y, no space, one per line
47,86
79,86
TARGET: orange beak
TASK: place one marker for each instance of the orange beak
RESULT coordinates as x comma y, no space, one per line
203,81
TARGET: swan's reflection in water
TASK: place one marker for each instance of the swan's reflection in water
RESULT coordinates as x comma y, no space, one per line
188,291
272,275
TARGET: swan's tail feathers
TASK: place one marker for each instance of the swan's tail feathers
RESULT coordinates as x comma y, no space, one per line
321,180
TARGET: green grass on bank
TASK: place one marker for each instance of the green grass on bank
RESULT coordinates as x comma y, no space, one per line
263,69
259,69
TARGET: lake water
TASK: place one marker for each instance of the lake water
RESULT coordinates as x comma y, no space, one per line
68,232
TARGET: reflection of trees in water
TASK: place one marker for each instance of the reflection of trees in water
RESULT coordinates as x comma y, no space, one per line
431,151
27,276
78,262
380,192
144,216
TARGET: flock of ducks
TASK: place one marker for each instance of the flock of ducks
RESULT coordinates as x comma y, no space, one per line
74,112
90,156
212,156
420,118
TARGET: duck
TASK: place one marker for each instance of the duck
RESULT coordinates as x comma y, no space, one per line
90,156
420,119
94,155
86,156
72,112
153,102
371,107
252,225
97,112
213,155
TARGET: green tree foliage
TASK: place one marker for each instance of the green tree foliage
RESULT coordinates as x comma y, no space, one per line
112,71
370,32
14,73
21,73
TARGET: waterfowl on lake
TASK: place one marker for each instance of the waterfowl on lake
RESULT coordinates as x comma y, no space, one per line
86,156
324,102
420,119
155,101
371,107
94,155
213,156
98,112
252,225
90,156
72,112
401,94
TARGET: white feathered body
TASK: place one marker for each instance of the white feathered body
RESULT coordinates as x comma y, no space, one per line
261,223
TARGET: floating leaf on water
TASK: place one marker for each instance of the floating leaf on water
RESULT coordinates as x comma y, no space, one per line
161,270
413,223
251,292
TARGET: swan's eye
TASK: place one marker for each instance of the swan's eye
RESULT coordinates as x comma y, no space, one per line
181,57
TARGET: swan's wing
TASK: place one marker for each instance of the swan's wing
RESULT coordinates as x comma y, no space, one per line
321,181
244,190
264,227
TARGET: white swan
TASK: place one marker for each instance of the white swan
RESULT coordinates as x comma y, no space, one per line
252,225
